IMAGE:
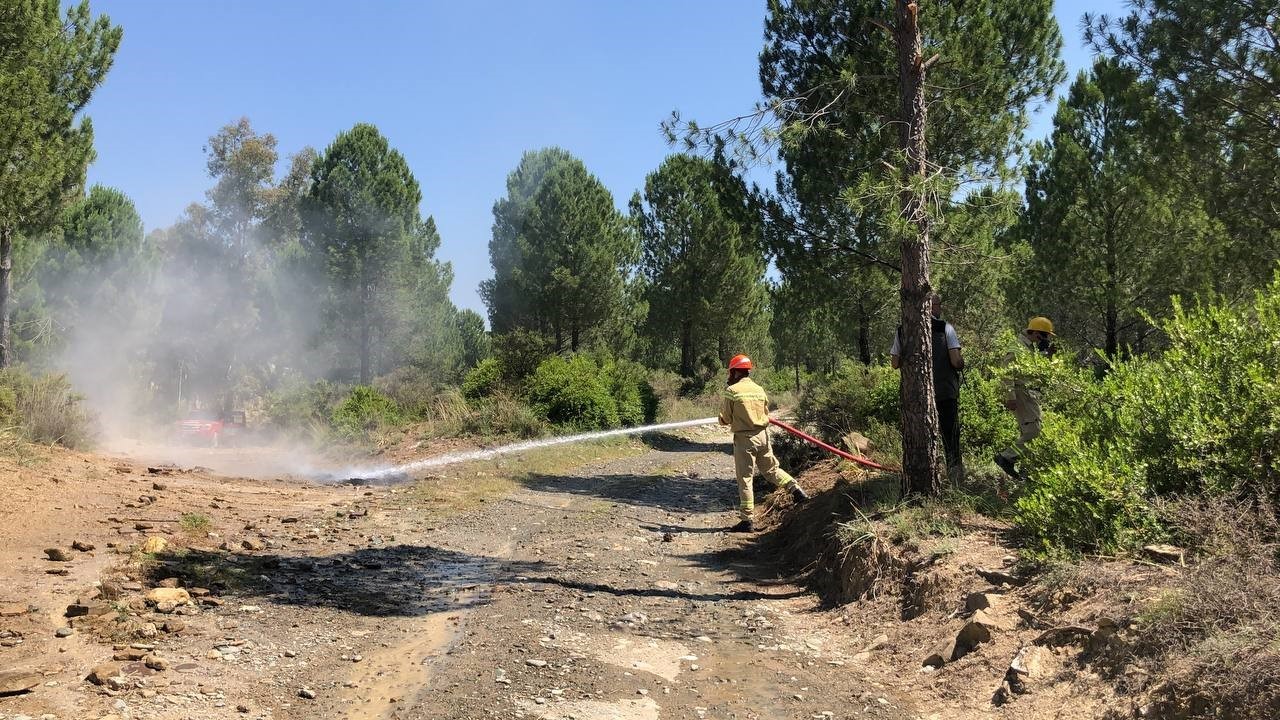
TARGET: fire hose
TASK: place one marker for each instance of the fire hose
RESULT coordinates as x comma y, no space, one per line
831,449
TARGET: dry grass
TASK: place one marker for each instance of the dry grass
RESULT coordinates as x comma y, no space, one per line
1211,641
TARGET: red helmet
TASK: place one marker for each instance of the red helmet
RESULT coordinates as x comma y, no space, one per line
740,362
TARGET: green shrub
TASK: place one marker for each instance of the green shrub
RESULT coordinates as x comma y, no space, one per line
363,410
986,425
301,407
629,385
44,408
483,380
411,388
519,353
854,397
1202,419
1082,496
573,392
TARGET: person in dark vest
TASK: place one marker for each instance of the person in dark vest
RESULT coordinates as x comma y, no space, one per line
947,364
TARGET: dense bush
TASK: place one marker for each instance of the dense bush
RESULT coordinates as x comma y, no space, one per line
854,397
482,380
43,408
301,407
1201,419
519,353
573,392
411,388
590,392
364,409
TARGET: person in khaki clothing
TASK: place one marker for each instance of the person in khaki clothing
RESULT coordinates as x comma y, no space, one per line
1024,401
746,411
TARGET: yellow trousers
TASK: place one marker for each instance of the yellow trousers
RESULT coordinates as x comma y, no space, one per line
751,450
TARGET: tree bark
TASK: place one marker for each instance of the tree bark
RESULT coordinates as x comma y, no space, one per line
1112,311
365,331
921,466
6,288
864,341
686,348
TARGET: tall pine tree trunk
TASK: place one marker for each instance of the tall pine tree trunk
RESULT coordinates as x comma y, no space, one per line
921,469
6,288
1112,319
686,348
864,340
366,331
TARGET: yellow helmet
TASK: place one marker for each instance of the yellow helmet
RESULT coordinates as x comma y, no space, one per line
1040,324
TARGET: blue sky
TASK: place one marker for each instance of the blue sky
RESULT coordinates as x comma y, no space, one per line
461,89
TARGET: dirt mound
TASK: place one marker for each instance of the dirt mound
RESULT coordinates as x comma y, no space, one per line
935,592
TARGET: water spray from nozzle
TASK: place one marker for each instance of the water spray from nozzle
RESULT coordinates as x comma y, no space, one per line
395,472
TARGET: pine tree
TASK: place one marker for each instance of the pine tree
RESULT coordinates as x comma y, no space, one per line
49,67
360,215
1113,234
561,252
852,82
701,256
1214,67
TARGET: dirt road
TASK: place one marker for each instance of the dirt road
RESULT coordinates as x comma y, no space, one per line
607,591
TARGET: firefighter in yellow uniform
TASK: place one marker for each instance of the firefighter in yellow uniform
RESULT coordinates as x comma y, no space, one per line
1022,400
746,411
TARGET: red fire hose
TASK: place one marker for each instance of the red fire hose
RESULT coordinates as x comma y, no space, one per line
835,450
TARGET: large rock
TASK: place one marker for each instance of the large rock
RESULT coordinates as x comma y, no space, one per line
1031,662
14,609
57,554
970,636
170,596
104,672
92,610
974,602
994,620
14,682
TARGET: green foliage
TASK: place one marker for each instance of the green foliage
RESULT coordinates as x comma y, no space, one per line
1215,73
483,380
1113,224
628,384
573,392
1083,495
1201,419
360,219
300,407
364,409
44,408
519,352
50,66
702,260
560,252
986,425
592,391
500,415
195,523
854,397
